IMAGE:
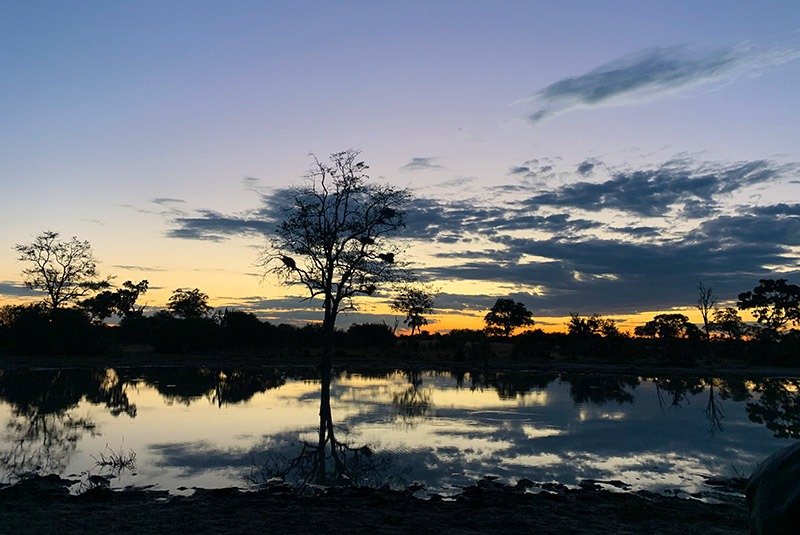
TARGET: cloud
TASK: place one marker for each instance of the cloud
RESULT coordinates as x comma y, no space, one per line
212,226
457,182
421,164
651,73
632,239
15,289
586,167
651,192
163,201
138,268
610,277
535,170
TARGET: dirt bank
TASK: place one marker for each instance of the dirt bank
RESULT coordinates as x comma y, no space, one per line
376,361
42,505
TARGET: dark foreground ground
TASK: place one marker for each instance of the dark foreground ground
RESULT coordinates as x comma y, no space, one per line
42,505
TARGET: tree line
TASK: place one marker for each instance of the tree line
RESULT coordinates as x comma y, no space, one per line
335,242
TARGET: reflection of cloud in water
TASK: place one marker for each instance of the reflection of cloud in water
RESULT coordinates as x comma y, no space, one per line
197,457
449,433
586,414
534,432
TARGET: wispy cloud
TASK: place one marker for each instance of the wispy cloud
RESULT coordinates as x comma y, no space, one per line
212,226
15,289
421,164
651,73
650,192
164,201
138,268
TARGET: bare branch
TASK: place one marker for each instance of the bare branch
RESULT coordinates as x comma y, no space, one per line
334,239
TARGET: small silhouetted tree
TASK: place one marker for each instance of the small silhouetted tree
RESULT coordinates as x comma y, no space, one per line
706,303
506,315
774,303
414,302
64,270
188,303
333,239
728,322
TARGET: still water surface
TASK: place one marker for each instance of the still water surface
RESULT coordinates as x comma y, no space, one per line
218,428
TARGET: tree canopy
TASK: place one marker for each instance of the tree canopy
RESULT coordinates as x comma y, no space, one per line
506,315
121,302
188,303
594,324
668,326
334,237
64,270
414,302
774,303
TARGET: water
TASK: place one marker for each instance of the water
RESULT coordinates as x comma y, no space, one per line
219,428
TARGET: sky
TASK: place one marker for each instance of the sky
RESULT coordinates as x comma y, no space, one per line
580,157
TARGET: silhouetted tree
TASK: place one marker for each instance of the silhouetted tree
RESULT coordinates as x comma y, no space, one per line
65,271
121,302
774,303
244,329
414,302
728,322
507,315
706,303
333,239
593,324
188,303
668,326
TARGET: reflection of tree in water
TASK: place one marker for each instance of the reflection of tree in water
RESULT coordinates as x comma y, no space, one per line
41,433
600,389
328,461
413,403
778,407
675,391
509,385
220,386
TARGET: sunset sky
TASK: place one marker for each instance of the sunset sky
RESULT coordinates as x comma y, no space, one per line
590,157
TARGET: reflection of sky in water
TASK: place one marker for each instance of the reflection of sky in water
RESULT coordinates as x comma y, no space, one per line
436,432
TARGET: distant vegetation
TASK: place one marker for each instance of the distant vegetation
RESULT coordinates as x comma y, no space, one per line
336,243
188,325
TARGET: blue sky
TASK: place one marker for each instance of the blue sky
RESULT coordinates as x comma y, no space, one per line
579,156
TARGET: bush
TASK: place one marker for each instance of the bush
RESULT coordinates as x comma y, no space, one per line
370,335
38,330
184,335
466,344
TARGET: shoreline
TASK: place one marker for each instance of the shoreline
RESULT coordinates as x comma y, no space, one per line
33,505
371,362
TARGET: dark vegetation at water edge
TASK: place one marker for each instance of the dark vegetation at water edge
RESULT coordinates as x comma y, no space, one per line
36,330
